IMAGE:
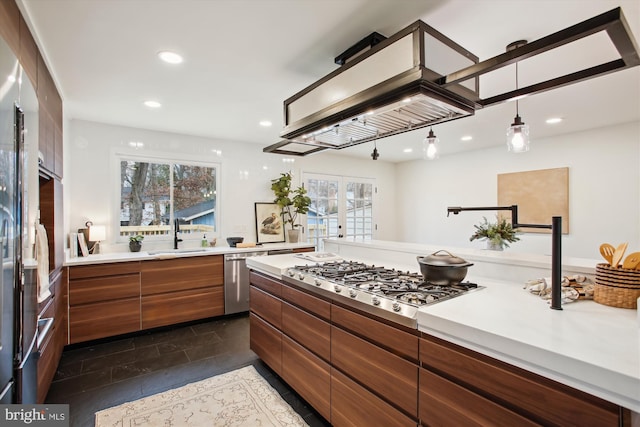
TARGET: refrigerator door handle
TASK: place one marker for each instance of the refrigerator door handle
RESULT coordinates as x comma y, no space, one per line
44,325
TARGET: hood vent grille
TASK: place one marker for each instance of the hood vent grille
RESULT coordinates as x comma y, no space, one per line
419,77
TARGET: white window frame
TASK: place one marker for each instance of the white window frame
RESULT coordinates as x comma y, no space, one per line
164,158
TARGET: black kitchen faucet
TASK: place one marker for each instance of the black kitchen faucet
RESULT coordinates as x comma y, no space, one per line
176,230
556,245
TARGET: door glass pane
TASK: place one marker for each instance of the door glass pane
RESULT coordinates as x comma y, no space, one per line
359,210
322,218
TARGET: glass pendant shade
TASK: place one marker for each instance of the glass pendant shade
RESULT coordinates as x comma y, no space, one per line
518,136
429,146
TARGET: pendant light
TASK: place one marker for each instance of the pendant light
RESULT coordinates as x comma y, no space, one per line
374,153
429,147
518,132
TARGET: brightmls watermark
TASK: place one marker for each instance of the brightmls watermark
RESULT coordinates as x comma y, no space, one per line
34,415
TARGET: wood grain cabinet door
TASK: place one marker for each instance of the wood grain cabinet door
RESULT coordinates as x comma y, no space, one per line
355,406
177,307
546,401
313,333
266,342
309,375
389,376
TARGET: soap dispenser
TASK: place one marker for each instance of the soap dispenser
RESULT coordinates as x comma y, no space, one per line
204,241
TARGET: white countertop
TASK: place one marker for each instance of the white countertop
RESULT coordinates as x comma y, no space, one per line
169,253
589,346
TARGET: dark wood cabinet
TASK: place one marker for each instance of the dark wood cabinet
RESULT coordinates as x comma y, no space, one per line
536,398
309,375
181,290
103,301
51,216
354,406
266,342
389,376
310,331
10,24
51,348
266,306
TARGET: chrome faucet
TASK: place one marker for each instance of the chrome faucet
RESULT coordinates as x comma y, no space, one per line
556,245
176,230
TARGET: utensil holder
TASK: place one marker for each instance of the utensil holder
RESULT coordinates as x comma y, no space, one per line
617,287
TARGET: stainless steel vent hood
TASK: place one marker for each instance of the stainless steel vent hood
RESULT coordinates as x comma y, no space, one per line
418,77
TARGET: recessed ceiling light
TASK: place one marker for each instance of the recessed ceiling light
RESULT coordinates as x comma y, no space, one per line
554,120
152,104
406,100
466,138
170,57
408,150
265,123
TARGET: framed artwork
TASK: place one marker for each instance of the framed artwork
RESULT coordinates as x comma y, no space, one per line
269,224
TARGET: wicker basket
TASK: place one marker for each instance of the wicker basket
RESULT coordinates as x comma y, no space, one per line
617,287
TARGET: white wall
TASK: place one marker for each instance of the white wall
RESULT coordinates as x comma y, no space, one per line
91,176
604,191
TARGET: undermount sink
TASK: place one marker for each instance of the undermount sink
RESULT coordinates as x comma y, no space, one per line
177,251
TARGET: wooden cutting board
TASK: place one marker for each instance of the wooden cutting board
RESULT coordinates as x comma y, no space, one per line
245,245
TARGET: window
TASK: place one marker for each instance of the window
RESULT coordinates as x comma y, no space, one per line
340,207
153,194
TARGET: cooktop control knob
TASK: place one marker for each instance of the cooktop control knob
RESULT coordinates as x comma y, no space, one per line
337,288
301,276
352,293
375,301
291,273
396,306
318,282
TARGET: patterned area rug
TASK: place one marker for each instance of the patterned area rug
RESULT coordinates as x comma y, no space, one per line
238,398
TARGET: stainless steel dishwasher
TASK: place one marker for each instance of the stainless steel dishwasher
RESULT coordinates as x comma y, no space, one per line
236,281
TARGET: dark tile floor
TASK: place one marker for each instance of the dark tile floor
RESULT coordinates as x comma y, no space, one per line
111,372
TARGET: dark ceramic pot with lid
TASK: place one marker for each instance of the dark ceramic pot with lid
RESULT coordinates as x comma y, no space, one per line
442,268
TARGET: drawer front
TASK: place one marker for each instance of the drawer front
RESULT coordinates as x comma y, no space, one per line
89,290
178,307
266,306
308,375
388,375
516,388
266,283
101,270
395,340
308,302
266,342
308,330
104,319
48,362
354,406
443,403
181,274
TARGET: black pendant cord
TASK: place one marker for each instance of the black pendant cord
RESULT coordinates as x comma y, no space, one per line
517,110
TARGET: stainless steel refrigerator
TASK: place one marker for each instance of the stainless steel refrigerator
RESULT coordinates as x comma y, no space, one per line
18,352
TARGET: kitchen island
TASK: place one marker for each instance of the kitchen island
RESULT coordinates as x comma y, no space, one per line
504,329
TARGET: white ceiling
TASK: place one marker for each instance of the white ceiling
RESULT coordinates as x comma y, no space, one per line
244,57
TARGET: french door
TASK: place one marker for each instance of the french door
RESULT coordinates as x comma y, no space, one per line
340,207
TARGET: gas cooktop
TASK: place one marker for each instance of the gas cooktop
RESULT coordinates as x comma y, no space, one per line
388,293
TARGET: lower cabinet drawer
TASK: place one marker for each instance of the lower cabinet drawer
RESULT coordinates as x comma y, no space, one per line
50,353
391,377
309,375
105,319
547,401
266,306
353,405
266,342
176,307
443,403
310,331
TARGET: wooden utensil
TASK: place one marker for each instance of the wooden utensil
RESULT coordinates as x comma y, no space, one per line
607,250
618,254
632,261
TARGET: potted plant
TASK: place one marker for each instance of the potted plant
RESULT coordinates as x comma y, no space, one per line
292,202
497,234
135,243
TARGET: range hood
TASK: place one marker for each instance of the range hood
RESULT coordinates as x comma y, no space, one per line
418,77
